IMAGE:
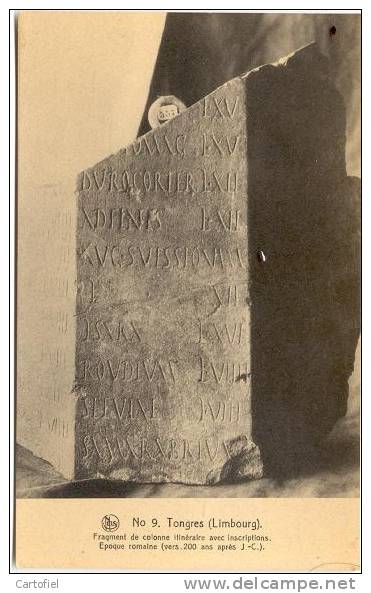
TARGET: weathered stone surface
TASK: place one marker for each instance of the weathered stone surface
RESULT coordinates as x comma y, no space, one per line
303,213
205,310
163,351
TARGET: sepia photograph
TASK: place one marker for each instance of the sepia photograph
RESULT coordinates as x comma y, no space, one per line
188,271
188,298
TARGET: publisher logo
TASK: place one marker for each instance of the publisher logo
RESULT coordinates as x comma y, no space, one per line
110,523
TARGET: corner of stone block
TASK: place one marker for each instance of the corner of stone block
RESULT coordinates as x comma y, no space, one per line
244,463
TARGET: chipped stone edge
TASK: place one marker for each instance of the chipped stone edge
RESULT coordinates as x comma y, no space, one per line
244,464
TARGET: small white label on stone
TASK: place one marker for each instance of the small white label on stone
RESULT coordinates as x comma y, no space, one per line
167,112
164,109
